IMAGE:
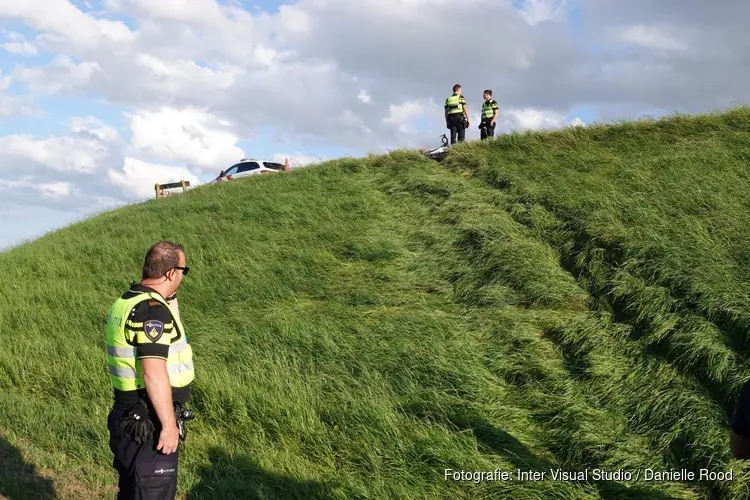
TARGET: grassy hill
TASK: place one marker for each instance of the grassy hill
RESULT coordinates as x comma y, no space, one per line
570,300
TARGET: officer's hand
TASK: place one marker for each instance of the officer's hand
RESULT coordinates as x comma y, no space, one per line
168,439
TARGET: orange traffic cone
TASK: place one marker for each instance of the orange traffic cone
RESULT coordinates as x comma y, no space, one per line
286,165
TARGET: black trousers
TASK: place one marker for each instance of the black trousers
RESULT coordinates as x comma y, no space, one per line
145,472
457,127
488,131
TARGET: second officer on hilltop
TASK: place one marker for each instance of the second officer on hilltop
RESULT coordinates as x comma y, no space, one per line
490,110
456,115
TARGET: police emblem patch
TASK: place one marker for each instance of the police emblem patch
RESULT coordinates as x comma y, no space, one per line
154,330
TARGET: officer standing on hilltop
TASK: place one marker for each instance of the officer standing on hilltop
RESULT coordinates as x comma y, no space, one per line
456,115
151,368
490,111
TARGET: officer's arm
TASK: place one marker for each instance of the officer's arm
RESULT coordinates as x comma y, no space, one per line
152,346
466,110
159,390
739,435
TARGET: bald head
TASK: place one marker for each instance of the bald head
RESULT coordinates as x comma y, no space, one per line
160,259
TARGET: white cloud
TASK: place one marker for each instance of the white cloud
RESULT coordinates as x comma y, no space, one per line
20,48
53,190
172,77
351,121
89,126
63,73
297,160
533,119
651,37
200,12
577,122
205,29
364,96
403,115
61,21
188,135
538,11
137,178
17,44
83,151
295,20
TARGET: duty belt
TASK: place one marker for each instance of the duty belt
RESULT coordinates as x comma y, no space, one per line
138,425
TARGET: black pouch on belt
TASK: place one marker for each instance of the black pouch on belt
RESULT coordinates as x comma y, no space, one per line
137,424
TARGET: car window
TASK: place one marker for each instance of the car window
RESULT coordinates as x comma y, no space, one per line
273,165
248,166
232,170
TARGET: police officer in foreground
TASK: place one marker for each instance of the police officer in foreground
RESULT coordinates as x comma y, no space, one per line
739,433
456,115
490,111
151,368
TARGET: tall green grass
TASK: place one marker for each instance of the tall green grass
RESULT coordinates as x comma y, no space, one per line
567,300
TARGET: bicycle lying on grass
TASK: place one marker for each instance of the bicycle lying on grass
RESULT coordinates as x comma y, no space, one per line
439,153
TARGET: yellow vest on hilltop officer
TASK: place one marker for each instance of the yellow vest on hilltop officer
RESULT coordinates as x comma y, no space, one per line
456,115
151,369
490,111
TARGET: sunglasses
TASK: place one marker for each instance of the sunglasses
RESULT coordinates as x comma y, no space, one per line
183,269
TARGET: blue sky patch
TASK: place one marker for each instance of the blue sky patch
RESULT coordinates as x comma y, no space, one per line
254,6
586,112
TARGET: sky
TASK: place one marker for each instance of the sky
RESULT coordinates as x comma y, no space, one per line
101,99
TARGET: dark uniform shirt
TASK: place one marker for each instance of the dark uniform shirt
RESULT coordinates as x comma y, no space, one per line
150,310
741,420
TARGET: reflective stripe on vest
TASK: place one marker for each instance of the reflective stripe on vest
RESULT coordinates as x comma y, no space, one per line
453,104
125,371
487,111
